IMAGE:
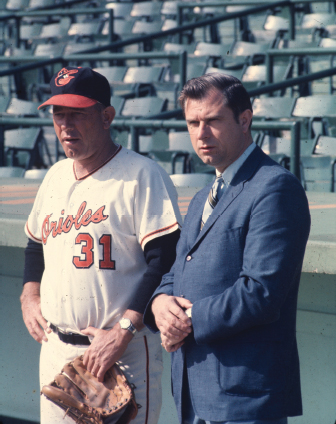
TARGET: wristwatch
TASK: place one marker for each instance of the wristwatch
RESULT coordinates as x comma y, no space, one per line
188,313
126,324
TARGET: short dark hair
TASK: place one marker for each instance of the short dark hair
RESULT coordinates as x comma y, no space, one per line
235,94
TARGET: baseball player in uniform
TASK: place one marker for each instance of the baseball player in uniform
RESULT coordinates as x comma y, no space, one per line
102,232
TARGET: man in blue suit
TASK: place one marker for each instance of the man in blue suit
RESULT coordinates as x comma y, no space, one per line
227,308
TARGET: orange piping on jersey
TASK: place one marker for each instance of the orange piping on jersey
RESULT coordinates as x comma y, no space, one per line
96,169
147,380
160,231
32,235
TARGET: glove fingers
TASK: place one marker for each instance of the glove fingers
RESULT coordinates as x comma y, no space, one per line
65,401
85,374
80,381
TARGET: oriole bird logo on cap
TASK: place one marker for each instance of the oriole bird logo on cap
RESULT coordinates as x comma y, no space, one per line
64,76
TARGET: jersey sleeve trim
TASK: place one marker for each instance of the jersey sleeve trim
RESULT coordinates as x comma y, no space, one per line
32,235
156,233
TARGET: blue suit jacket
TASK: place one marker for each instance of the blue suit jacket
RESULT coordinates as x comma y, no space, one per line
242,278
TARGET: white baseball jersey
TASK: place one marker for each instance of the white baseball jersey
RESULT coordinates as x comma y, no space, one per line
94,231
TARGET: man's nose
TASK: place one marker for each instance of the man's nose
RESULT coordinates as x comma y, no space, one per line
67,121
203,130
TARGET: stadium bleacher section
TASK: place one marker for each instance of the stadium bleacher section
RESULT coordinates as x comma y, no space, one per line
283,51
244,39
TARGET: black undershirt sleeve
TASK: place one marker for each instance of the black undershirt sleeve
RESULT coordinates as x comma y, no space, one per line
34,262
160,255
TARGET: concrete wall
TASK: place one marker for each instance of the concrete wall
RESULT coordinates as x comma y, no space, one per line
316,330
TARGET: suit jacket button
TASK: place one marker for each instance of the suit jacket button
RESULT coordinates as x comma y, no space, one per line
188,258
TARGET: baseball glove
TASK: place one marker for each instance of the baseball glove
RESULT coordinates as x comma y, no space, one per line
88,401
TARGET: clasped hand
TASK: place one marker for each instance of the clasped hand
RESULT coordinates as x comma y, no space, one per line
171,320
106,348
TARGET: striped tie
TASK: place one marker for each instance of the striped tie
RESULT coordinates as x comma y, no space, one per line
215,194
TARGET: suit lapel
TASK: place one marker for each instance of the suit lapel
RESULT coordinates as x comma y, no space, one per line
246,171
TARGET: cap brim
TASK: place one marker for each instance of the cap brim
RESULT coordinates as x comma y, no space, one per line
69,100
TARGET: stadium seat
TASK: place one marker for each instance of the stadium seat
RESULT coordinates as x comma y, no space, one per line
324,145
143,107
192,180
112,73
22,107
317,20
117,103
238,73
318,173
37,174
273,107
120,10
255,75
315,107
49,50
11,171
87,30
150,10
24,145
138,81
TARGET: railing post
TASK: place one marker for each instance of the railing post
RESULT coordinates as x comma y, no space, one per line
183,69
269,70
18,32
111,26
295,150
134,138
292,21
2,145
179,21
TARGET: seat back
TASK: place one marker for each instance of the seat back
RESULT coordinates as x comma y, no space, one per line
325,145
143,74
180,140
273,107
196,180
37,174
143,106
11,171
315,106
113,73
318,173
22,107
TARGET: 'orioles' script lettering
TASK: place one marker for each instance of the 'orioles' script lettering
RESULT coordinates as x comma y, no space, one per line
64,224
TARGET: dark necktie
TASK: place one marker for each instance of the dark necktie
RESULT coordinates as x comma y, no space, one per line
215,194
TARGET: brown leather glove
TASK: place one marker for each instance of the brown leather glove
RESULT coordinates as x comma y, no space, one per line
88,401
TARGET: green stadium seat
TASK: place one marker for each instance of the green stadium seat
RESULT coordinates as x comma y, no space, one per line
11,172
318,173
194,180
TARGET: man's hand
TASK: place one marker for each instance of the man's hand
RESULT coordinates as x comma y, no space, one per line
171,320
108,346
31,311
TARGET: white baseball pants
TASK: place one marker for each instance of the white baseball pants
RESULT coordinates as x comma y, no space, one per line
141,363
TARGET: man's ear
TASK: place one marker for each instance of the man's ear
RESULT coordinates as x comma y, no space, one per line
108,116
245,119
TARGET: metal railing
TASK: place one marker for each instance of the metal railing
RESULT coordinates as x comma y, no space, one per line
271,54
135,125
148,37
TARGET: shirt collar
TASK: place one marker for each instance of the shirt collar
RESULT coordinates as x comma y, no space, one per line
232,170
